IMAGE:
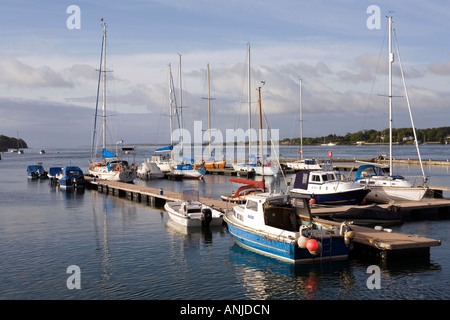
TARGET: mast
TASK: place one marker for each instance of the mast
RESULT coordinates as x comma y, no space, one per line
209,111
104,86
391,60
301,121
260,133
170,108
181,104
249,107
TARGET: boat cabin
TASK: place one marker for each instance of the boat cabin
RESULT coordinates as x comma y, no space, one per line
279,211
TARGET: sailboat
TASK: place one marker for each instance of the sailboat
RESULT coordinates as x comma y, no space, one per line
384,187
187,168
211,163
112,167
302,164
254,164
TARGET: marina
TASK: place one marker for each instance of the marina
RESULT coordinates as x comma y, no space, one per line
396,244
225,158
120,235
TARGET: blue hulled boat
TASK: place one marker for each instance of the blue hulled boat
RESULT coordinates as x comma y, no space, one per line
71,178
36,171
281,226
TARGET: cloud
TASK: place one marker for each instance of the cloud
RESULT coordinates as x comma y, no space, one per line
17,74
440,68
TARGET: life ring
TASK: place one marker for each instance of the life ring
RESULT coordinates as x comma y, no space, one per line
118,168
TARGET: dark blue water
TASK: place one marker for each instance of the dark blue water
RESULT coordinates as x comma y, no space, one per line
127,250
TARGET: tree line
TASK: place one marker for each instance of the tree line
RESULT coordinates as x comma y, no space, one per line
11,143
402,135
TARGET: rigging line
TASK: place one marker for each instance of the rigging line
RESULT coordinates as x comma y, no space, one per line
409,106
96,103
375,76
273,148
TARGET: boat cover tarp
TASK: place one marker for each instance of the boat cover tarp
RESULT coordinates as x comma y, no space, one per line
257,184
72,171
36,169
372,212
164,149
107,154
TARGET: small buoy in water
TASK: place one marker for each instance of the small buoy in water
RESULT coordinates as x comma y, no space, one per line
363,201
312,201
302,242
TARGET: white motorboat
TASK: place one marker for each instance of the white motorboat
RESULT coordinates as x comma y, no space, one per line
190,212
149,170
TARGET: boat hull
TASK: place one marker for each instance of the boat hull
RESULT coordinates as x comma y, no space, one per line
181,219
350,197
268,171
123,176
215,165
284,248
388,194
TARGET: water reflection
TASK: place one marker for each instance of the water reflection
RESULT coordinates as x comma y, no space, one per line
269,278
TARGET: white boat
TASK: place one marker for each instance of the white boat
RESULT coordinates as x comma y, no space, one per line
389,187
148,171
162,161
190,212
302,164
326,187
281,226
255,164
192,171
385,188
112,167
187,168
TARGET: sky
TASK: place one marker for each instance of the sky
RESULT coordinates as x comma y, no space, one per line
50,56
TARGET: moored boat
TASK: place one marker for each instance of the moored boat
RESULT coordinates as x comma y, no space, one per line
71,178
190,212
385,188
112,167
249,187
36,171
149,170
389,187
281,226
325,187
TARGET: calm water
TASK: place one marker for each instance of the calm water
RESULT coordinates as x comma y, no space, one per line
126,250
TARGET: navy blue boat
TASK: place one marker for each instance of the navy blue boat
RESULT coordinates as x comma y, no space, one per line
36,171
71,178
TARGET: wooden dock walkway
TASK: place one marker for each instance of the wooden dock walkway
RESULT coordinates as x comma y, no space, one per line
385,244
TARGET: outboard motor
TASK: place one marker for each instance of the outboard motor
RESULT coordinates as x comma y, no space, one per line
206,217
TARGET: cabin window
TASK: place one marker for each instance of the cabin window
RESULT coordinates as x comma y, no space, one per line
252,205
281,217
324,177
316,178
